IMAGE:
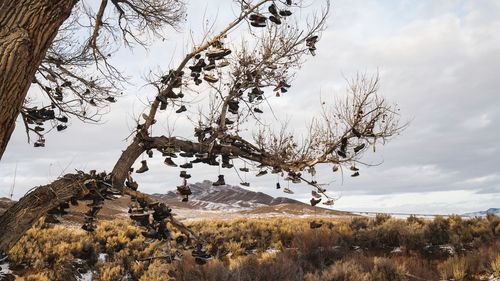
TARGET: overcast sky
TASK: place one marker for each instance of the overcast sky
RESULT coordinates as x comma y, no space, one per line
438,60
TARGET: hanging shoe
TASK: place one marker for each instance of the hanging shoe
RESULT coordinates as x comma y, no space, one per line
39,129
329,202
315,194
356,132
220,181
187,165
210,78
355,174
278,186
181,109
168,161
184,174
285,13
296,180
287,190
315,224
335,168
257,17
359,148
258,24
247,184
342,153
132,185
244,169
223,63
63,119
218,53
186,154
149,152
210,66
261,173
61,127
272,9
184,190
275,20
256,109
143,168
353,168
314,202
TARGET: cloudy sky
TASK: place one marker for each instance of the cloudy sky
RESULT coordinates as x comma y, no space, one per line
438,60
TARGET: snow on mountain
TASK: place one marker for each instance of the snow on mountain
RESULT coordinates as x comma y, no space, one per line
493,211
224,198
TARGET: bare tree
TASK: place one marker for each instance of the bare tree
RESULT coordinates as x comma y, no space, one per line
238,79
41,44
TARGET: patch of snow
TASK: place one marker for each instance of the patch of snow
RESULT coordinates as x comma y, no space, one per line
448,248
272,250
5,268
102,257
87,276
397,250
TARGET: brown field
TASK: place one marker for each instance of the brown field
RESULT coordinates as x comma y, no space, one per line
382,248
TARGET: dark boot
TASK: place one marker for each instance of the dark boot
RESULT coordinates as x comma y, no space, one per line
184,174
261,173
355,174
181,109
247,184
168,161
278,186
187,165
314,202
220,181
359,147
143,168
315,194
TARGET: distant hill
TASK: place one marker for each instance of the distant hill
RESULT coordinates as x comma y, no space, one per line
223,198
493,211
207,201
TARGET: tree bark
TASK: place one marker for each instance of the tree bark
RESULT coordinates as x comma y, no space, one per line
30,208
27,29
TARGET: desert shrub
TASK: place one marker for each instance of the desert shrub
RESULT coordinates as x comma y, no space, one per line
358,223
111,272
317,248
385,269
341,271
437,231
495,266
412,219
418,268
454,267
380,219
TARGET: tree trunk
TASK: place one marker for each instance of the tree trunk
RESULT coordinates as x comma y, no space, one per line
27,29
30,208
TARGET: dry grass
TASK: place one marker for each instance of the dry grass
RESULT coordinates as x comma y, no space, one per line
382,248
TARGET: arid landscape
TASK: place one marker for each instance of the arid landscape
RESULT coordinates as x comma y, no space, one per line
249,140
268,239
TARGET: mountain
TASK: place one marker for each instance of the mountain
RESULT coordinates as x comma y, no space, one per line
206,202
493,211
223,198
